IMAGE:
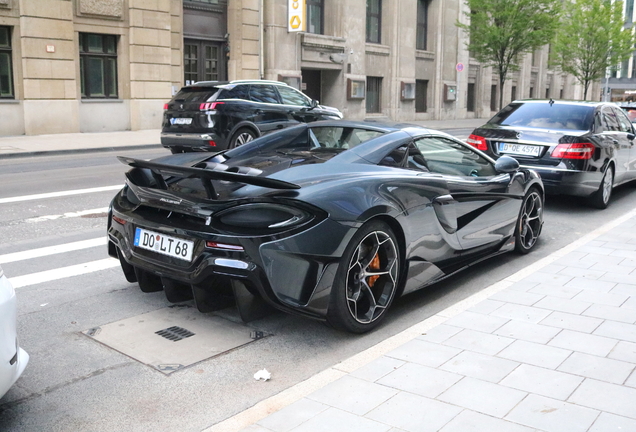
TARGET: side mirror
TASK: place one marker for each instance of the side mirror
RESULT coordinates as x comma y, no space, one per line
506,164
314,103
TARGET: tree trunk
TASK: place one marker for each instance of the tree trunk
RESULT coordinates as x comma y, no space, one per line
502,80
586,84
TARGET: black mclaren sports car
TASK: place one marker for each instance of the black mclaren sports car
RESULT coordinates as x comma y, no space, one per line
331,220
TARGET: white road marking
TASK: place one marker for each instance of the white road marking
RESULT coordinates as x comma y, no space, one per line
62,273
52,250
67,215
59,194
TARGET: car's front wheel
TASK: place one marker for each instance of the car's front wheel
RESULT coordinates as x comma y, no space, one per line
242,136
529,222
600,199
366,280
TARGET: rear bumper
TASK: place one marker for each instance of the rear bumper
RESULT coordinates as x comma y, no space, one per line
293,273
192,141
568,182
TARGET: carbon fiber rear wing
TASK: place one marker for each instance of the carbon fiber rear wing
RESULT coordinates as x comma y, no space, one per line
160,170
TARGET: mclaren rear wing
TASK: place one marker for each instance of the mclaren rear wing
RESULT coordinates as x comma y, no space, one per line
160,171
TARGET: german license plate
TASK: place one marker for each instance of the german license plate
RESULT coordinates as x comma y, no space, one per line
163,244
519,149
180,121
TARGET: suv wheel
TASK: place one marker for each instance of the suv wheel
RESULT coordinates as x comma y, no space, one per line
241,137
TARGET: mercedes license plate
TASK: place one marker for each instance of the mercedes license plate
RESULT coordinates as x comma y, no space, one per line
180,121
163,244
519,149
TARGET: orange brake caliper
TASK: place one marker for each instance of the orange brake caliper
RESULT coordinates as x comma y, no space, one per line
374,265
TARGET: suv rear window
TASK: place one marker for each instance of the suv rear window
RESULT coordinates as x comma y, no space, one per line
545,115
197,94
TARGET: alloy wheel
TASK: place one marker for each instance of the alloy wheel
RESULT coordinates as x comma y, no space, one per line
608,181
372,277
243,138
531,219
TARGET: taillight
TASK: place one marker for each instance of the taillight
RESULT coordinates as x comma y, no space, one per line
212,143
165,106
226,246
478,142
209,105
573,151
119,220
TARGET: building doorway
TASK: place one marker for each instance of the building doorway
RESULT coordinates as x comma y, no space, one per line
312,83
203,61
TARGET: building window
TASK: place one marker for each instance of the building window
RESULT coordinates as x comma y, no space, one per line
422,24
513,93
374,94
547,92
629,11
470,98
315,20
421,94
98,65
493,98
6,68
204,1
531,95
374,20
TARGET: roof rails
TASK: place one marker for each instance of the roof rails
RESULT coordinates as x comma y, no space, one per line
258,81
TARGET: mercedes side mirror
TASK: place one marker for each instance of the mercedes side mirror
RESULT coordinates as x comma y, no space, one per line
506,164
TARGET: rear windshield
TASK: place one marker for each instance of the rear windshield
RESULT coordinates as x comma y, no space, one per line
197,94
545,115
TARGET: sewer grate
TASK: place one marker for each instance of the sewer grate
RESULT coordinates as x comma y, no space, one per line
175,333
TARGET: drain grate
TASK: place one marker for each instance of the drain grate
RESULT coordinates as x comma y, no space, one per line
175,333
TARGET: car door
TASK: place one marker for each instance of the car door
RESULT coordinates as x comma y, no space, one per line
484,208
428,219
268,115
297,105
626,152
615,140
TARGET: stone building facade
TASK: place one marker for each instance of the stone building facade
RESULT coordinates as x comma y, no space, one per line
104,65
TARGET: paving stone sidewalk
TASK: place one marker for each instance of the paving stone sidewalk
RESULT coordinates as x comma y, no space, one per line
553,350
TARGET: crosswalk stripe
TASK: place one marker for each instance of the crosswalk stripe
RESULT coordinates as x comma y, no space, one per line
59,194
62,273
52,250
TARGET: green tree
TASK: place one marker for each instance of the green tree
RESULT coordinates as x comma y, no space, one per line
501,30
591,38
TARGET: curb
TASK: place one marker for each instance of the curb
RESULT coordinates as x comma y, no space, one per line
78,151
298,391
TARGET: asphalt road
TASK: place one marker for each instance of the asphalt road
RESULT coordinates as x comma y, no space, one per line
74,383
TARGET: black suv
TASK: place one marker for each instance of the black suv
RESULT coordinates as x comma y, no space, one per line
213,115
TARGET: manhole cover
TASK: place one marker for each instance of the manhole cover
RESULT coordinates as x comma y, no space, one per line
171,339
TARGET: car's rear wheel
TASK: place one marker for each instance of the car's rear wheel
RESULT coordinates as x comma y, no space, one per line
242,136
601,198
366,280
529,222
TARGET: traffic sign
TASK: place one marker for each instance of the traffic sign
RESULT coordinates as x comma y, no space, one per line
459,67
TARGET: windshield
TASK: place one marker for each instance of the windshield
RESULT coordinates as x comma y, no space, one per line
546,116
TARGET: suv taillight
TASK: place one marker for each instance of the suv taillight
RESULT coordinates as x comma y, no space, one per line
573,151
478,142
165,107
209,105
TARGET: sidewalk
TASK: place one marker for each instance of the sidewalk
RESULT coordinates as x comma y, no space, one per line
35,145
550,348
